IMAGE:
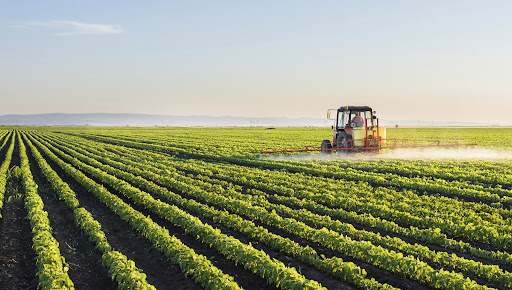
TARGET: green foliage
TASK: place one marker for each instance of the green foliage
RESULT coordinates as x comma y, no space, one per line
445,224
52,267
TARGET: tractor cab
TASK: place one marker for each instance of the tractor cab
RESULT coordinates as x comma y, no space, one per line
353,117
355,127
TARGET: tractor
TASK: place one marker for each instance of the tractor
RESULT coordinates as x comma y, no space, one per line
355,127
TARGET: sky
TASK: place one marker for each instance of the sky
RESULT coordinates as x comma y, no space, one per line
408,60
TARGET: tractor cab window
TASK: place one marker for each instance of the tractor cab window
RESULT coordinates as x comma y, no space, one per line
343,119
354,119
357,119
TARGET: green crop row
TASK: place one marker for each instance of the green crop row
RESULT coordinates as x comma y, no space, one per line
334,266
191,263
361,250
119,267
216,175
239,176
5,167
496,235
487,234
52,267
274,271
491,273
447,170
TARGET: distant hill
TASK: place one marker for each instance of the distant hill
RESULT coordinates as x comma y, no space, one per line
108,119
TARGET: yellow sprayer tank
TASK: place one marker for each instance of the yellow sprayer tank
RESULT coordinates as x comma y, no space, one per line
358,135
374,133
381,133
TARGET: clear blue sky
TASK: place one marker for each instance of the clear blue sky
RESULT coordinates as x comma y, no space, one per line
428,60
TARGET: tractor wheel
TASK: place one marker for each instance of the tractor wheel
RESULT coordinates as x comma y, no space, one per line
343,140
326,144
347,142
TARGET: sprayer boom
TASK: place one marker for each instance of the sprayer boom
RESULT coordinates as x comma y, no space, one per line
390,143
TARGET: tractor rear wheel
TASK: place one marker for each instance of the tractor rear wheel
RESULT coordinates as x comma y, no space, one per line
347,142
343,140
326,144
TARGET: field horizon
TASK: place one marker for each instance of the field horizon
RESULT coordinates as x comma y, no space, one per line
148,120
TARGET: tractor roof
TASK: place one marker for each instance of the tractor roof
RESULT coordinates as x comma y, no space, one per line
355,108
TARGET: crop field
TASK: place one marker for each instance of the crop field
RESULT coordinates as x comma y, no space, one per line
193,208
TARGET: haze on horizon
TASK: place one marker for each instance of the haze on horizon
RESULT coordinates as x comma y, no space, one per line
409,60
